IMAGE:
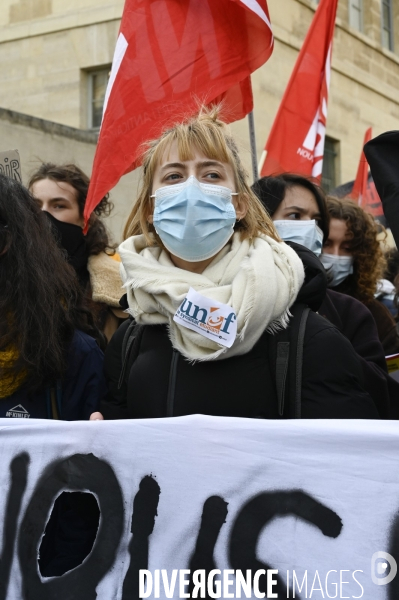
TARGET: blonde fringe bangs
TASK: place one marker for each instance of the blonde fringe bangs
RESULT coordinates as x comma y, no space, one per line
208,134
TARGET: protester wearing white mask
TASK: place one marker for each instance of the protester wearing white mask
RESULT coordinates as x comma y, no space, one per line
292,199
337,256
337,267
357,263
307,233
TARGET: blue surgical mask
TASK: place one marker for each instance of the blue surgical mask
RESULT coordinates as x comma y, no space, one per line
194,220
307,233
337,267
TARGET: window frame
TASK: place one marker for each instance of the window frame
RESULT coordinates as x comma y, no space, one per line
388,3
90,98
351,8
335,162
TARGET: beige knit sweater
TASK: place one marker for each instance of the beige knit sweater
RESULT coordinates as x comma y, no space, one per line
105,279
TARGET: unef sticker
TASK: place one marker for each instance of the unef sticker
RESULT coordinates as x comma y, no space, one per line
208,317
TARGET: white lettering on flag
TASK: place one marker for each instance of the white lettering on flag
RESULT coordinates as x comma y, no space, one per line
120,49
255,7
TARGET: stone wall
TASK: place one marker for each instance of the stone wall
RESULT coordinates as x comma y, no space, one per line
39,140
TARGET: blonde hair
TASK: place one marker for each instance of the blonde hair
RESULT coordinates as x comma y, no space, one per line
209,135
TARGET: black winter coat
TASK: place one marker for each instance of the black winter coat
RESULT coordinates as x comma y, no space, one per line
382,154
162,383
356,323
386,326
78,395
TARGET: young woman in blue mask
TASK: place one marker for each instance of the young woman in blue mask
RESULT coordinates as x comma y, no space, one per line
293,200
356,262
208,281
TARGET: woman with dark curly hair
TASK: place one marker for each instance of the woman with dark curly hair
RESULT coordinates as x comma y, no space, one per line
355,262
61,192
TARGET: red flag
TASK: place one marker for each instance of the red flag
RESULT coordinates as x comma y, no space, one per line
364,191
171,55
296,140
359,191
372,202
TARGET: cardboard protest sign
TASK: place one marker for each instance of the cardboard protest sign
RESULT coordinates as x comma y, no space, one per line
312,503
10,164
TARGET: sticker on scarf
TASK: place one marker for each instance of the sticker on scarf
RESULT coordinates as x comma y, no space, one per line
209,318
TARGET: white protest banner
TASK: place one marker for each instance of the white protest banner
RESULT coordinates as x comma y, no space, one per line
315,502
10,164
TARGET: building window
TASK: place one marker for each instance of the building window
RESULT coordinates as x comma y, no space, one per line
329,177
387,24
356,14
97,85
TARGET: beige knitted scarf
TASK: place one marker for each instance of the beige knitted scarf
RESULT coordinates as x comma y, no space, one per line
259,280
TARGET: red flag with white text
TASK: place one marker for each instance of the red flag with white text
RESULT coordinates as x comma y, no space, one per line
170,55
296,140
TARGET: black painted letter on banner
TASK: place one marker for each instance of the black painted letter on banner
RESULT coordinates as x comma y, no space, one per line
79,472
393,586
214,515
18,475
145,509
259,511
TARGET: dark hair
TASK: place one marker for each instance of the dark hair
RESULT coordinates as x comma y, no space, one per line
271,191
97,237
392,266
369,262
391,273
40,298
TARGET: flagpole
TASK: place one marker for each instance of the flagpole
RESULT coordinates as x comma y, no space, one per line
252,142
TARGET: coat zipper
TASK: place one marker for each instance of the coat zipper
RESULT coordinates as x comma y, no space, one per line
172,384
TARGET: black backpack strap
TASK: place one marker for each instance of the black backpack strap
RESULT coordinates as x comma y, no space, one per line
133,334
286,355
279,353
300,317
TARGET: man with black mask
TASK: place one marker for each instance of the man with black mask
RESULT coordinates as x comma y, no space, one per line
61,192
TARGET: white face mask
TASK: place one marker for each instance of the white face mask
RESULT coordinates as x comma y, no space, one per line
306,233
337,267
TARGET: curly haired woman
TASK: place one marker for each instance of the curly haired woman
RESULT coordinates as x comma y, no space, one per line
355,262
61,192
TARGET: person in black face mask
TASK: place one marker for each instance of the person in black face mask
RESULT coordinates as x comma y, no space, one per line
299,211
61,192
70,237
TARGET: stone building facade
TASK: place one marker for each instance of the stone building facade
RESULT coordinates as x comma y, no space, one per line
55,57
40,140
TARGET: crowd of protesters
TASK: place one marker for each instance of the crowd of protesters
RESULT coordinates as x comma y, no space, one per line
88,331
